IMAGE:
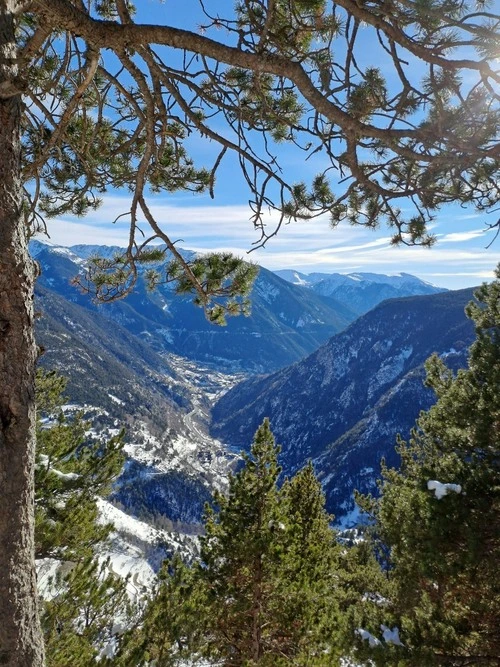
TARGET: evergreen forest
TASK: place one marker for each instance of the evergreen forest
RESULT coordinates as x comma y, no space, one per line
365,115
274,584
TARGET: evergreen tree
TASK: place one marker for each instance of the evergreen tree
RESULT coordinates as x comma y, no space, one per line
75,124
440,514
241,553
87,616
71,471
174,623
85,603
266,589
309,579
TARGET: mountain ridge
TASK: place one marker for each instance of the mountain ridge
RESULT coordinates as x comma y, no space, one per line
325,406
362,291
286,323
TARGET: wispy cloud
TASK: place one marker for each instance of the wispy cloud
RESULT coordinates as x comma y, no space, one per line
459,237
459,258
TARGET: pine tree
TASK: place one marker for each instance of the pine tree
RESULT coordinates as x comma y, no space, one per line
75,123
85,603
71,472
309,581
241,553
440,514
266,589
173,626
87,616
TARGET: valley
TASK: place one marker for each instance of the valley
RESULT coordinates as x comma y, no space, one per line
337,388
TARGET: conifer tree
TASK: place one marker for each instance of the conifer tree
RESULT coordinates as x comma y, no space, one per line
174,623
87,616
309,582
241,552
71,472
85,602
266,589
440,514
91,100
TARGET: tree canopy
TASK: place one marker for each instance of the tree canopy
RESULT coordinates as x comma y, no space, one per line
439,515
93,99
110,102
266,590
83,602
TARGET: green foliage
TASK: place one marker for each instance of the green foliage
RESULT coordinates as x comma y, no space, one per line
87,616
220,283
364,598
268,588
425,131
71,471
445,551
309,575
241,552
292,25
85,603
223,283
173,625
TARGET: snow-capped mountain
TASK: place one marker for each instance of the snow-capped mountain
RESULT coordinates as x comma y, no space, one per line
287,322
341,406
344,404
298,278
361,291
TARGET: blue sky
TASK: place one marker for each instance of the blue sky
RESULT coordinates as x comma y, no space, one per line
460,258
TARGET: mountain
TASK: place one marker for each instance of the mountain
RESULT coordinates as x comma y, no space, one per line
344,404
341,406
286,324
361,291
298,278
161,400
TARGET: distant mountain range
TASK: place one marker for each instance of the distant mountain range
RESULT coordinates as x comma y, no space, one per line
360,291
287,322
343,405
152,364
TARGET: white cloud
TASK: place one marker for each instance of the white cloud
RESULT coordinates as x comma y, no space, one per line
459,237
458,259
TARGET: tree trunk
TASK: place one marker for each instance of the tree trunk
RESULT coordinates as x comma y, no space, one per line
21,642
256,612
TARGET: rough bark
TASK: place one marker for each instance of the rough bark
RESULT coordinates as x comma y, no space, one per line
21,643
256,612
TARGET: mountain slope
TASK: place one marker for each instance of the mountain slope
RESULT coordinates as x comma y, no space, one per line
286,324
361,291
343,405
161,400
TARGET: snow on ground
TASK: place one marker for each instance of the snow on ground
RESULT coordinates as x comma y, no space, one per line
192,452
134,544
349,520
115,399
189,449
46,571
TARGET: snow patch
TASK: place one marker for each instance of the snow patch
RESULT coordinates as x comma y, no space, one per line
267,291
393,367
441,489
391,636
367,636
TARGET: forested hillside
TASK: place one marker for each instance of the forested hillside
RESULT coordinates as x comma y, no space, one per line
286,322
343,405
